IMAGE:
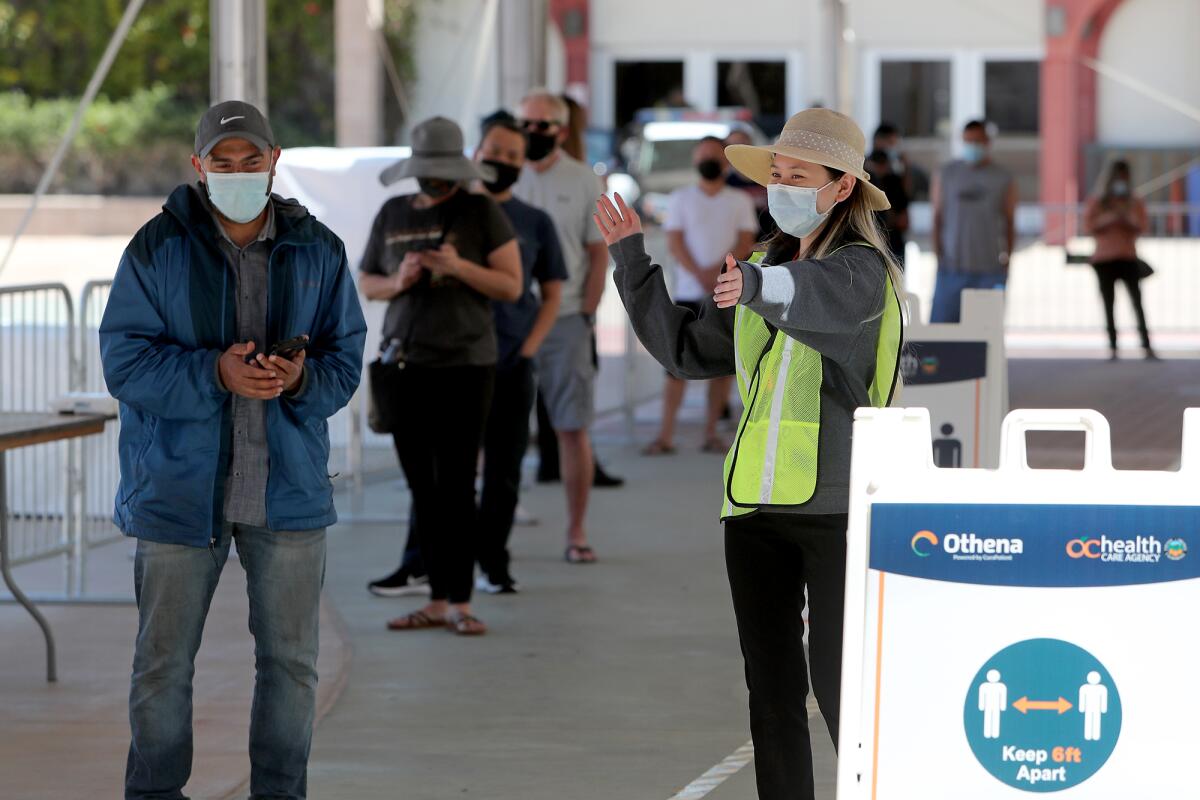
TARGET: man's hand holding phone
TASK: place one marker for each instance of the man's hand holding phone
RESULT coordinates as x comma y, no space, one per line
249,380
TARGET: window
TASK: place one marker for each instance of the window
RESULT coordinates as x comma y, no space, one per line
915,96
760,86
646,84
1011,95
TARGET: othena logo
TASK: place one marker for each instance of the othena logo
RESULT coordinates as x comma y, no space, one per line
923,536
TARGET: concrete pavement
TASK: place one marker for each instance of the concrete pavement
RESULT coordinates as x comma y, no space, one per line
621,680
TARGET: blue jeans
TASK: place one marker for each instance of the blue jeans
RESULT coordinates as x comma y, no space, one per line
174,585
947,294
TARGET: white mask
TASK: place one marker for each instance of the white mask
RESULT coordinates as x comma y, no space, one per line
794,208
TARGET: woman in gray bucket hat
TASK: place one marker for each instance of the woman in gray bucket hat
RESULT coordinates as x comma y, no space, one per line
439,258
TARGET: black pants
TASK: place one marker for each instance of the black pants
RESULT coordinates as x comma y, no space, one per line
1126,271
443,411
770,559
411,562
504,444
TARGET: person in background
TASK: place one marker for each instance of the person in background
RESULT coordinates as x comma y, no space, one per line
894,220
575,145
521,327
1115,219
567,189
758,194
974,223
438,258
223,440
704,222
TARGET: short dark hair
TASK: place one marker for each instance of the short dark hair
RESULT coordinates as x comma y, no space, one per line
976,125
886,129
504,121
707,139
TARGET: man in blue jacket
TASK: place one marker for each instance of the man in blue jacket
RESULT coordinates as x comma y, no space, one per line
221,440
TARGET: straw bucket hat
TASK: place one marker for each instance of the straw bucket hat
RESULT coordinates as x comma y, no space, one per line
818,135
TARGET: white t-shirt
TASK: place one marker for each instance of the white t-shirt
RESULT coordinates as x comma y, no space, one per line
568,192
710,226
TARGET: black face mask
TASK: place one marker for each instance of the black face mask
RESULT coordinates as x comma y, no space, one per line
506,176
710,169
540,145
437,188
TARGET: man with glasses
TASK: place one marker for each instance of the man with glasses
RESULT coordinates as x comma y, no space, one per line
567,190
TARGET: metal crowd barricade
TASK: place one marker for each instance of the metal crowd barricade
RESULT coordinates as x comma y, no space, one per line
101,468
37,364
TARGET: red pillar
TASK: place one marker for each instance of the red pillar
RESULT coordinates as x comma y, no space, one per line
1068,106
571,17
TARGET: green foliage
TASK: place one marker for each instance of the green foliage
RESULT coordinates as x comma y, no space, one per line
49,48
138,134
137,145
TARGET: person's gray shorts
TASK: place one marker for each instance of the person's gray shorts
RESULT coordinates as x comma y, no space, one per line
567,374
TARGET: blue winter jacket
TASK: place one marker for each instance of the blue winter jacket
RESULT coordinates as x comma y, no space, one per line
170,315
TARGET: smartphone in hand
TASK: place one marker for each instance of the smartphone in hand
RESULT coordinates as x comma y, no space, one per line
289,348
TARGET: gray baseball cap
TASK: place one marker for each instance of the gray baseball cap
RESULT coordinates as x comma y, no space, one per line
233,119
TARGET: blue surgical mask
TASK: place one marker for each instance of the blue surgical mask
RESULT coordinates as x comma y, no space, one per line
1119,188
794,208
973,152
239,196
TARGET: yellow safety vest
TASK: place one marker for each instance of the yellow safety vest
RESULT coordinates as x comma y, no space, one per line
773,460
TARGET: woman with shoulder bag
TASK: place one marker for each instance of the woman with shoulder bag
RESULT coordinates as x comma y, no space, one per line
1115,219
439,258
812,331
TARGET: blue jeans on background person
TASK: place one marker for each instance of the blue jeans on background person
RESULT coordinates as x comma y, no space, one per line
947,292
174,585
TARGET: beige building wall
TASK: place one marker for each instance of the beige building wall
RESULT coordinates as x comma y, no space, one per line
1153,97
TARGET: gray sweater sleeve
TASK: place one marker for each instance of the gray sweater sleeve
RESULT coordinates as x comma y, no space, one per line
823,303
689,346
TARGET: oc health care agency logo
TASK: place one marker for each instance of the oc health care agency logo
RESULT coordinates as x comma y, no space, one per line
1134,550
967,546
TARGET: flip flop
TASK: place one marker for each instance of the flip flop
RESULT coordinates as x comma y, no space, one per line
658,448
418,620
466,625
579,554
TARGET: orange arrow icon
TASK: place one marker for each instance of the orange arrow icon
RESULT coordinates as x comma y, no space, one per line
1062,705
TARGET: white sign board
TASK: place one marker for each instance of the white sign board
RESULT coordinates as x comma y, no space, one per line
1016,632
340,187
959,372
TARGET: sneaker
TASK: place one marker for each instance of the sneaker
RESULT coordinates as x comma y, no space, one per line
523,518
505,585
602,480
399,584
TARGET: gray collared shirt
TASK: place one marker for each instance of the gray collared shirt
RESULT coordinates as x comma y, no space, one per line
246,483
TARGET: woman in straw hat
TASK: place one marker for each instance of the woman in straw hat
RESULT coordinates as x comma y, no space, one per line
439,258
812,330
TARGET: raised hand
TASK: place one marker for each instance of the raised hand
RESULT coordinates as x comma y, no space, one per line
616,222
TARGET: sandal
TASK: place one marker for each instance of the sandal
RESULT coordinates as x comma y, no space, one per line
579,554
715,445
417,620
466,625
658,448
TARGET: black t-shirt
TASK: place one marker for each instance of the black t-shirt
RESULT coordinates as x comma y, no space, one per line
541,260
440,322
